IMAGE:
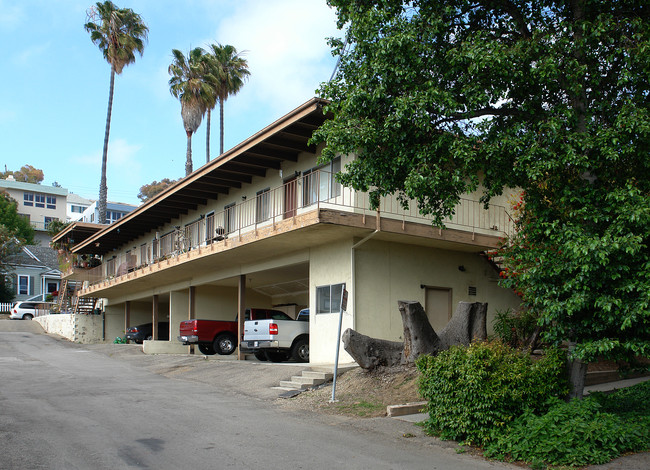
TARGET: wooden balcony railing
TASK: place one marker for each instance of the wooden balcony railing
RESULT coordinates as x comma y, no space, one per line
302,194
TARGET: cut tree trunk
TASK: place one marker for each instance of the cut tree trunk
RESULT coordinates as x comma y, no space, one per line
467,323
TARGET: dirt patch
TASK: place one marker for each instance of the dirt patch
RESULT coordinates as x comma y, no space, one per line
361,393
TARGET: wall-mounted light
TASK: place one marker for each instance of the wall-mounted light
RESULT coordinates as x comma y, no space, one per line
243,198
461,268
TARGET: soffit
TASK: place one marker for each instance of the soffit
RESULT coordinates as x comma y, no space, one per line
282,141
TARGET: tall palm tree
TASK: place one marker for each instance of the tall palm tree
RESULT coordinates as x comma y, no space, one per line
229,70
189,84
119,33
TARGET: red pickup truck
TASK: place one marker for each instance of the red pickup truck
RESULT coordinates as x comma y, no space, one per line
219,336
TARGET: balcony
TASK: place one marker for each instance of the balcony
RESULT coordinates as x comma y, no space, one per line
284,208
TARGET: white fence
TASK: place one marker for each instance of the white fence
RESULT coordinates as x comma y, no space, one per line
5,307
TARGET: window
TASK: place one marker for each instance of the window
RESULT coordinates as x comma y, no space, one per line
113,216
39,200
23,285
262,210
229,218
319,184
48,220
51,202
28,199
77,209
328,298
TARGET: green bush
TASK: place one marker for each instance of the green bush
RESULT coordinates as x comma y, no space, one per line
581,432
514,328
475,392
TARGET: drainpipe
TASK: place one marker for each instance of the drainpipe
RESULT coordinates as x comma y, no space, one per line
353,271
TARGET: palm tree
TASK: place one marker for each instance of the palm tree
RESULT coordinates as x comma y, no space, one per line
119,33
189,85
229,70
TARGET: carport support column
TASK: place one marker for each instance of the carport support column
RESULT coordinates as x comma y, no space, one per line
191,297
127,316
154,318
241,309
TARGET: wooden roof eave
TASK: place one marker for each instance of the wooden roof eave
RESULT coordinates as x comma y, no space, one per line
216,165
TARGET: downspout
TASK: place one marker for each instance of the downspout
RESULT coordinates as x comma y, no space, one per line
353,271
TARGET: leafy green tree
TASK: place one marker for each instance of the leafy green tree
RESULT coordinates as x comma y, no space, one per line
190,84
147,191
119,33
17,227
229,71
441,97
26,174
55,226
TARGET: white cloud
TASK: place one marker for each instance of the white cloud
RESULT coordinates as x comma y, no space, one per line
11,14
286,48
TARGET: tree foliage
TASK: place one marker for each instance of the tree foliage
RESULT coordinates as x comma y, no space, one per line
17,226
147,191
119,33
190,83
26,174
441,97
229,70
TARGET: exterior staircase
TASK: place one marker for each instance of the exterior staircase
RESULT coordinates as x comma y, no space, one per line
70,302
313,377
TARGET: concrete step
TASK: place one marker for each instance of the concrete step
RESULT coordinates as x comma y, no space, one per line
301,379
290,385
318,374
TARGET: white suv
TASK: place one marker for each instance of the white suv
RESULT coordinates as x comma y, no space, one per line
28,310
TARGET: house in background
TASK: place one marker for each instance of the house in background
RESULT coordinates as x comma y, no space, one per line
76,206
114,212
266,225
35,271
38,203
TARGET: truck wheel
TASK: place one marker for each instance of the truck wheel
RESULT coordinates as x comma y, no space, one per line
224,344
276,356
300,350
206,349
261,356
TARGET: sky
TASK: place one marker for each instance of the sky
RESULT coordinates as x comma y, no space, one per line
54,85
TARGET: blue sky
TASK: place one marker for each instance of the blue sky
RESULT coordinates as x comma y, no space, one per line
54,85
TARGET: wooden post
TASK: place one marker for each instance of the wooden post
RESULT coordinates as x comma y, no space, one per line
127,316
241,308
154,319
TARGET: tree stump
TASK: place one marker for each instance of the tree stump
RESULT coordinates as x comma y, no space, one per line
467,323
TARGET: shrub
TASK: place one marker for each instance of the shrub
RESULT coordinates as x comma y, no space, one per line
514,328
475,392
577,433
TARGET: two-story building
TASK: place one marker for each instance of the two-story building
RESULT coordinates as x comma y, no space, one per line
38,203
265,224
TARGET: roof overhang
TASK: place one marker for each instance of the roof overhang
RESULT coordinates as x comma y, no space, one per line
281,141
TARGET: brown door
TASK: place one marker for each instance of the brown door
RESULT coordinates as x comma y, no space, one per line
290,199
438,306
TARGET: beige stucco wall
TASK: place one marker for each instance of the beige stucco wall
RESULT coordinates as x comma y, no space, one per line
388,272
329,264
114,321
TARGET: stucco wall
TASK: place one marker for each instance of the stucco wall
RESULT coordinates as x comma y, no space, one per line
388,272
114,321
328,264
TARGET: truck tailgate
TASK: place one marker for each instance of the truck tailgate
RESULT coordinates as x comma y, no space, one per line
255,330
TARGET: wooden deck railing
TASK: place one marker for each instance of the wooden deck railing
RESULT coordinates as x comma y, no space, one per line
302,194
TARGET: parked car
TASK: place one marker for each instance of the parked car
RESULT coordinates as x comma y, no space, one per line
278,339
139,333
24,310
220,336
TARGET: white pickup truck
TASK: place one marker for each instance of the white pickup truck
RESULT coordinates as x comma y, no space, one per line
278,340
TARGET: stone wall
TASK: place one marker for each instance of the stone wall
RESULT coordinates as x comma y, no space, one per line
78,328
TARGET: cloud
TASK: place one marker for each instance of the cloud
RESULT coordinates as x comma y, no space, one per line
11,15
27,56
286,48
